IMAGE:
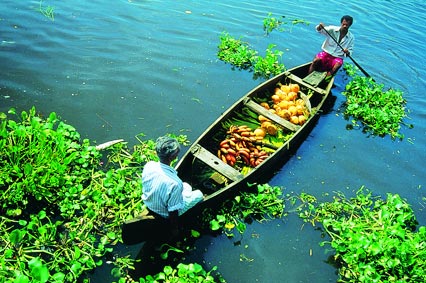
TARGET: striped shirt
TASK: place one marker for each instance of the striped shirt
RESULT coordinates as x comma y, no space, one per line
161,188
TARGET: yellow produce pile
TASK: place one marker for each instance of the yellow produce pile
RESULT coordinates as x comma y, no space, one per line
240,145
287,104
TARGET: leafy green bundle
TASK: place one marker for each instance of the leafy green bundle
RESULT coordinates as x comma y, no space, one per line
378,111
374,239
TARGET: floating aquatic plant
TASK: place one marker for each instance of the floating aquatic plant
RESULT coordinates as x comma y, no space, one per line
373,108
47,11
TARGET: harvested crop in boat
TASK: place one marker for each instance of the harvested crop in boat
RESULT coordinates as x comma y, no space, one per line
240,146
292,110
263,118
294,87
300,109
275,98
300,101
283,104
284,114
286,103
260,132
292,95
285,88
265,105
294,120
272,129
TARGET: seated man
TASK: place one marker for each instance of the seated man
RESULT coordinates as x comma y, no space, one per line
164,193
338,44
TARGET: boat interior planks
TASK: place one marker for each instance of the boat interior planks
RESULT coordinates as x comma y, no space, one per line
301,82
268,114
213,161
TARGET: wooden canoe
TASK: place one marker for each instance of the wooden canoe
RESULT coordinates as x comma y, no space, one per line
205,165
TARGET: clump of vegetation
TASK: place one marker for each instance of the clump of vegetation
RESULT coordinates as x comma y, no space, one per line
236,52
269,65
48,11
62,200
271,23
239,54
39,158
246,207
190,273
374,239
378,111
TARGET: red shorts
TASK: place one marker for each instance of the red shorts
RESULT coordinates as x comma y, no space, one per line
328,61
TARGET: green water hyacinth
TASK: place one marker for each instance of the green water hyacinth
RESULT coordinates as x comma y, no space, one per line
374,239
374,109
39,157
235,51
188,273
240,55
47,11
271,23
61,203
266,203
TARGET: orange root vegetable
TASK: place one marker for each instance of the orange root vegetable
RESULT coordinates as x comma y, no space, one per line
260,132
295,88
302,119
294,120
263,118
265,105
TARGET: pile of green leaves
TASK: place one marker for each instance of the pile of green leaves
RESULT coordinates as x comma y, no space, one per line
62,201
239,54
40,157
188,273
376,110
271,23
235,51
246,207
374,239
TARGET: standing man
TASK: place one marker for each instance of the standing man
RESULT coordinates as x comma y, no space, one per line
331,58
164,193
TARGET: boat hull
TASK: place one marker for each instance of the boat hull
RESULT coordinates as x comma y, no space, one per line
211,137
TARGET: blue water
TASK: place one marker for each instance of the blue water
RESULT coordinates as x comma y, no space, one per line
115,69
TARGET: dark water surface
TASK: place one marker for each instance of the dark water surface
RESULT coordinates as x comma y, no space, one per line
114,69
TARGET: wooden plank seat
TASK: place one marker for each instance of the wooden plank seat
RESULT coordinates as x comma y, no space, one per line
271,116
213,161
301,82
315,78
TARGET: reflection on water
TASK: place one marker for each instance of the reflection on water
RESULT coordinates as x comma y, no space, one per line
116,70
